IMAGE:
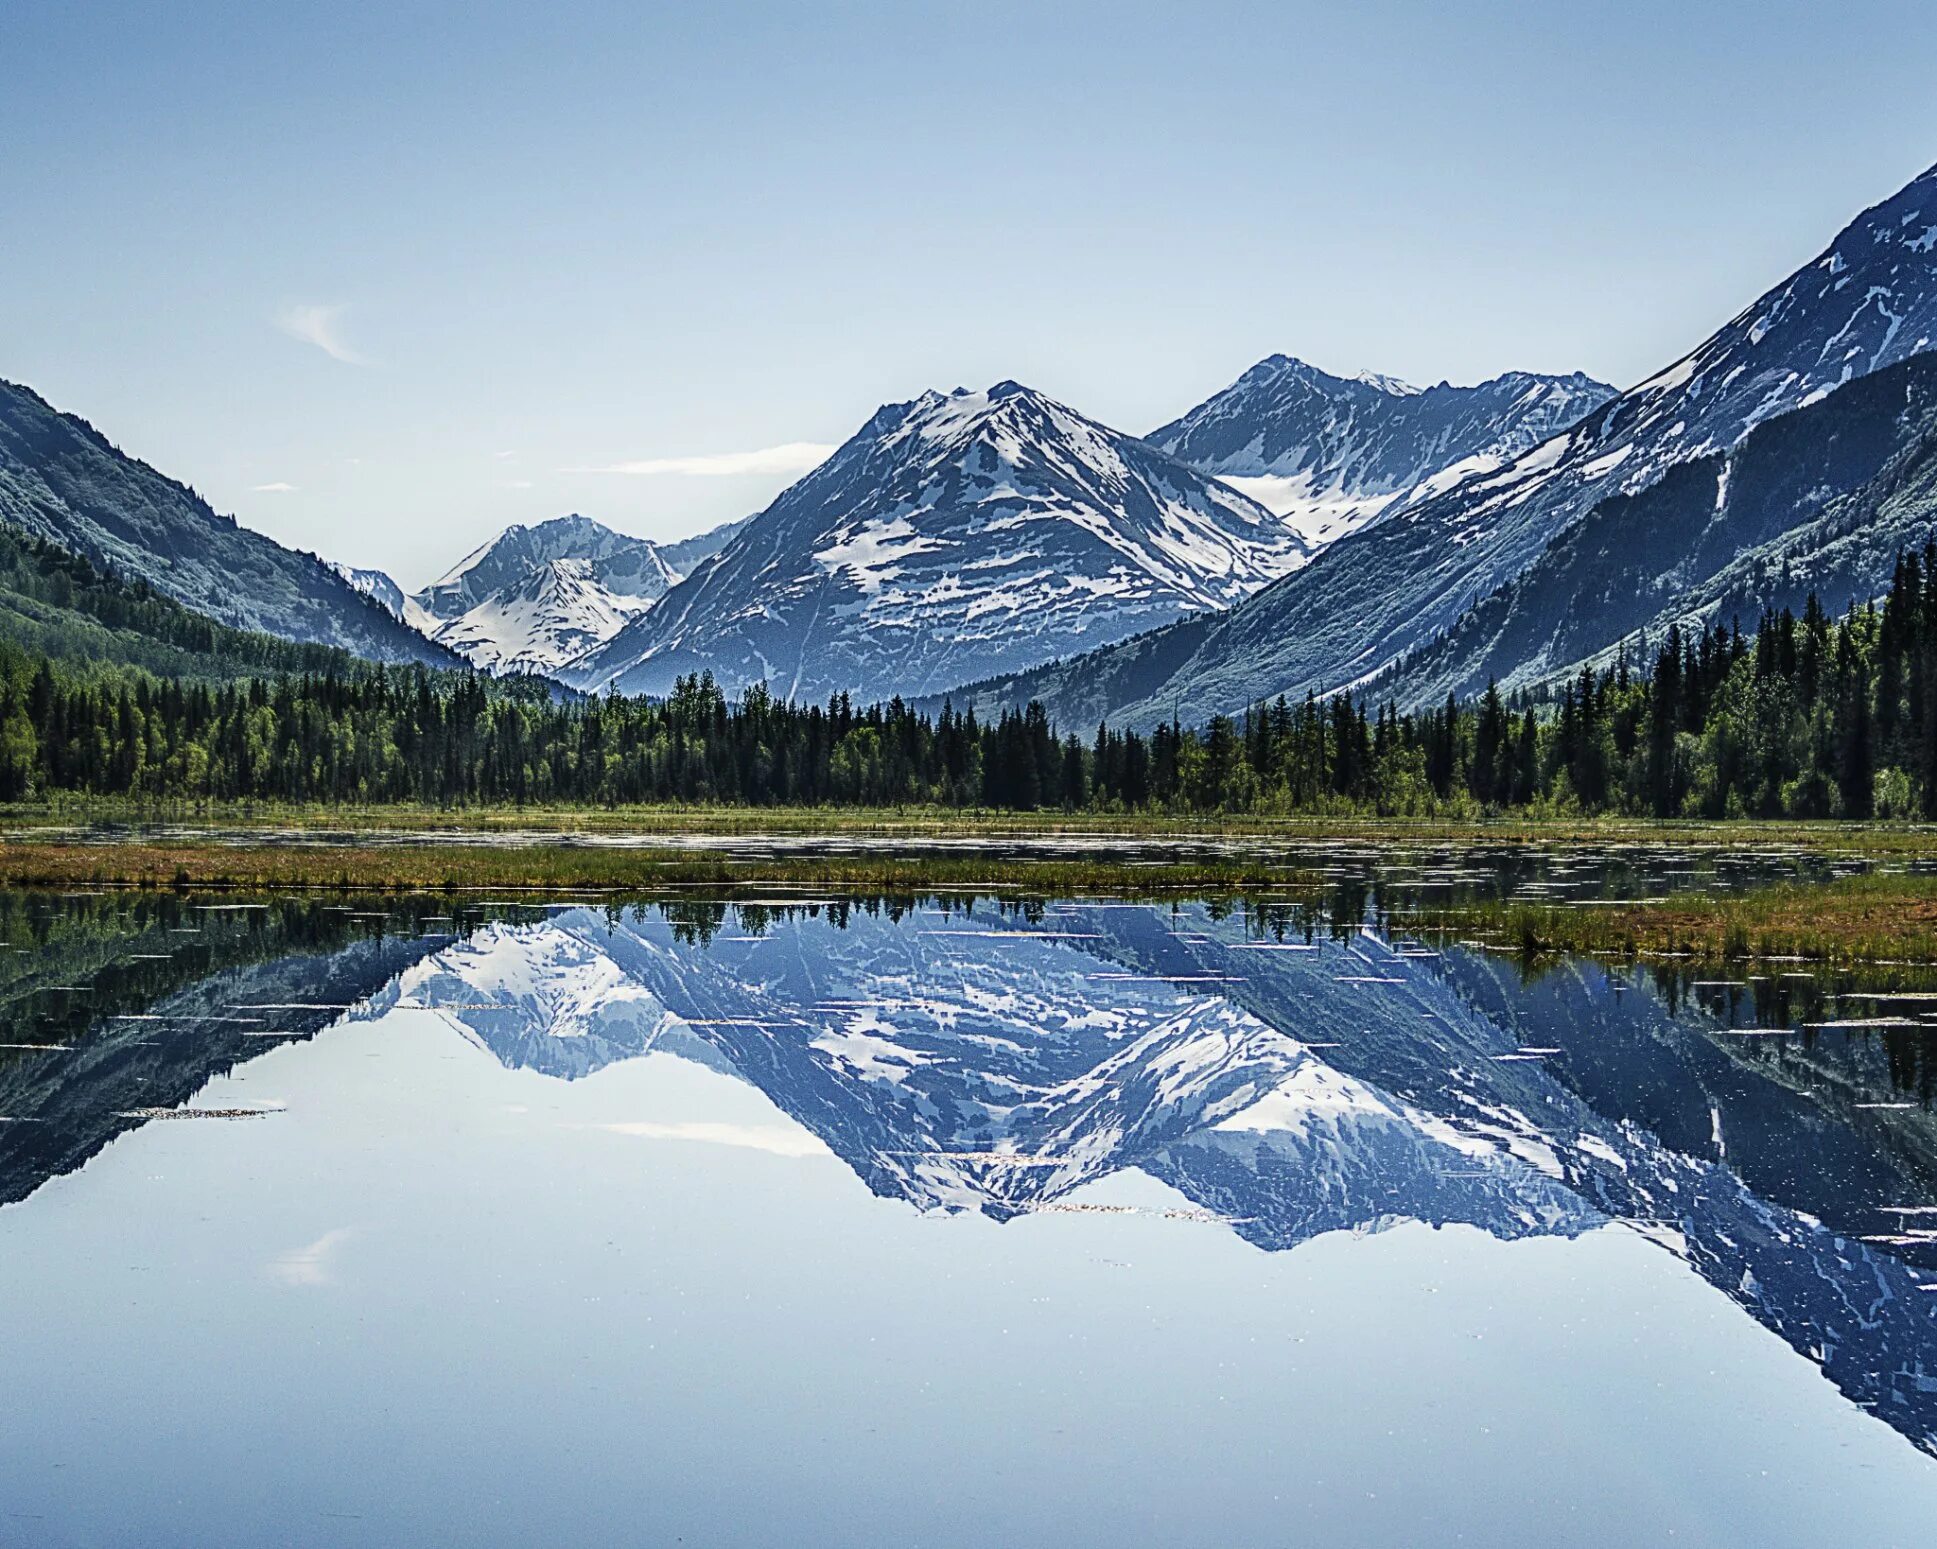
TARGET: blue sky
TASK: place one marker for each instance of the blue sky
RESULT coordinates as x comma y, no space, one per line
382,279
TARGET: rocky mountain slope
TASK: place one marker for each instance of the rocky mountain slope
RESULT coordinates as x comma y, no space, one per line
687,555
1384,593
1330,453
1822,499
954,533
380,589
535,598
62,480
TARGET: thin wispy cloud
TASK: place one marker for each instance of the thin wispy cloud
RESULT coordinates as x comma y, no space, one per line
277,488
774,1139
322,327
308,1265
789,458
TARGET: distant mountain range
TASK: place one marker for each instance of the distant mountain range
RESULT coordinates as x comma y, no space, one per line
63,481
953,532
967,529
1330,453
999,546
1373,608
535,598
624,566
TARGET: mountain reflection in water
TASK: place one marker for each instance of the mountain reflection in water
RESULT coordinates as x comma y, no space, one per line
1285,1076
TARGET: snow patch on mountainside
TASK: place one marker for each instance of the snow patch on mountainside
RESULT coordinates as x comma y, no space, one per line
954,534
554,615
1318,518
533,598
1373,602
1331,454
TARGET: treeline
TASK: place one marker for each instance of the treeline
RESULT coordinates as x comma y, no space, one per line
1808,717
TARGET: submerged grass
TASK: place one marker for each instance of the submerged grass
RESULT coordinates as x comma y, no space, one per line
1883,916
1851,920
403,867
1876,839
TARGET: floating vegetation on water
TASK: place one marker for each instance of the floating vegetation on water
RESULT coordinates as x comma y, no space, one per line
1871,919
196,1113
1061,1207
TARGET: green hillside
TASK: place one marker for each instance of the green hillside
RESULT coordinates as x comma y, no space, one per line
62,606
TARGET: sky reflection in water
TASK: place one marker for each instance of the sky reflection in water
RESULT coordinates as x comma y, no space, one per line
876,1224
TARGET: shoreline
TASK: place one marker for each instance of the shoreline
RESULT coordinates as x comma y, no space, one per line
1884,915
109,818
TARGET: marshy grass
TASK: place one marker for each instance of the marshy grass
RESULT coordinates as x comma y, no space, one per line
392,868
1847,921
1871,839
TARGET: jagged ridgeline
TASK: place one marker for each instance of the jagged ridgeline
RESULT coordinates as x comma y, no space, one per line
1568,521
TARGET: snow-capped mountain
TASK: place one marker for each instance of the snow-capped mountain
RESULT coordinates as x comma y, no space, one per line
1330,453
546,999
953,534
989,1060
535,597
539,622
978,1060
933,1059
629,567
1379,595
1821,499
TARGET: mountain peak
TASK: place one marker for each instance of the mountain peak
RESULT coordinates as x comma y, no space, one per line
540,619
1007,417
1561,531
536,596
633,564
1390,385
1331,454
1280,367
953,533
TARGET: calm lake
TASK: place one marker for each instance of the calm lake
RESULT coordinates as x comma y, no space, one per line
809,1220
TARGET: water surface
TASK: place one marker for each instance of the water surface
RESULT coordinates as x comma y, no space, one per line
938,1221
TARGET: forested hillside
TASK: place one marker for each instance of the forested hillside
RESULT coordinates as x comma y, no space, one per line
61,605
62,480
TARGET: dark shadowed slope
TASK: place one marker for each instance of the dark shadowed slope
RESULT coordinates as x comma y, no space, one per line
62,480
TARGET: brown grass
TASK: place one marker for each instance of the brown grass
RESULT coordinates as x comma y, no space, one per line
1851,920
405,867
